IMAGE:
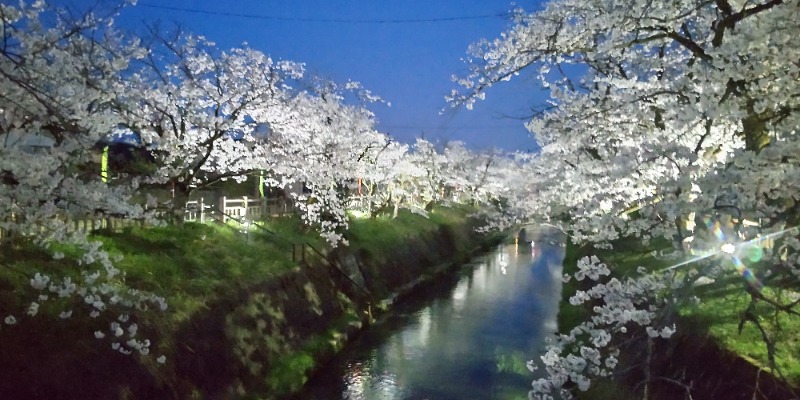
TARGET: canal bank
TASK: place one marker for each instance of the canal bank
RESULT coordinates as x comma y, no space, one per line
243,321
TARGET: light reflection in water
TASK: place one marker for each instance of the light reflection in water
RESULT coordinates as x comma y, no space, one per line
460,295
467,340
364,384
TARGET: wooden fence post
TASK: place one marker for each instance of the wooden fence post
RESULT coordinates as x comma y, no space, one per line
263,206
202,211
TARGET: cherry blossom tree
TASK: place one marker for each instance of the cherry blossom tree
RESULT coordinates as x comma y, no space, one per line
59,82
388,179
324,144
476,177
432,187
680,110
203,111
213,115
58,86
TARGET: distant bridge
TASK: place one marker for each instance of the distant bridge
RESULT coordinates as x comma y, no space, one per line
531,231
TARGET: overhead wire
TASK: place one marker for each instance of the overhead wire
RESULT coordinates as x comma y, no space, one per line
326,20
444,127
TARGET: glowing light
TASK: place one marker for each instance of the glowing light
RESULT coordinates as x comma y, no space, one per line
104,165
359,214
751,249
728,248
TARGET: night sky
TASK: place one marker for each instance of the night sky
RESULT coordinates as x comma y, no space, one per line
403,50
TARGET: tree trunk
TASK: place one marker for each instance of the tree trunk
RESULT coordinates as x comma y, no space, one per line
180,195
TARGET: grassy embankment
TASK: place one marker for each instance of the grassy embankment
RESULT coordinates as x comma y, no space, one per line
715,319
214,279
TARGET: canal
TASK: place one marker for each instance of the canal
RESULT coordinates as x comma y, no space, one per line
468,338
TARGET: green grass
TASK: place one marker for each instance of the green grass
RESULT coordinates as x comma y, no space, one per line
603,389
188,263
720,315
379,234
289,229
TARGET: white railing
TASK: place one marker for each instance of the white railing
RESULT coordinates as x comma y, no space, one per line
358,203
195,210
245,208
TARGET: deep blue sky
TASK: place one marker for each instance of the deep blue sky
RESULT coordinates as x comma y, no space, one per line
407,63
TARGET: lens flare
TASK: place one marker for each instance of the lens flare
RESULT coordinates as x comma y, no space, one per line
700,256
716,228
752,250
747,274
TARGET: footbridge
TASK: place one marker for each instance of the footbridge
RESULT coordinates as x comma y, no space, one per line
534,231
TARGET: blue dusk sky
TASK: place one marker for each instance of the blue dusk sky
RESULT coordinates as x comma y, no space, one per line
403,50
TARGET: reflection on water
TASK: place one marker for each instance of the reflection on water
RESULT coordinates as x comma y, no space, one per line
468,339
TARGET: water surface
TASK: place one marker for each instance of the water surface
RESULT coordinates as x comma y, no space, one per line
468,338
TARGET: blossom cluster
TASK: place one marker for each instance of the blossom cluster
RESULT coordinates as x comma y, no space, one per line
587,351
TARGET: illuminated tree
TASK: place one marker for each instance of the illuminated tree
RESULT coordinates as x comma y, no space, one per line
663,107
203,110
59,85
